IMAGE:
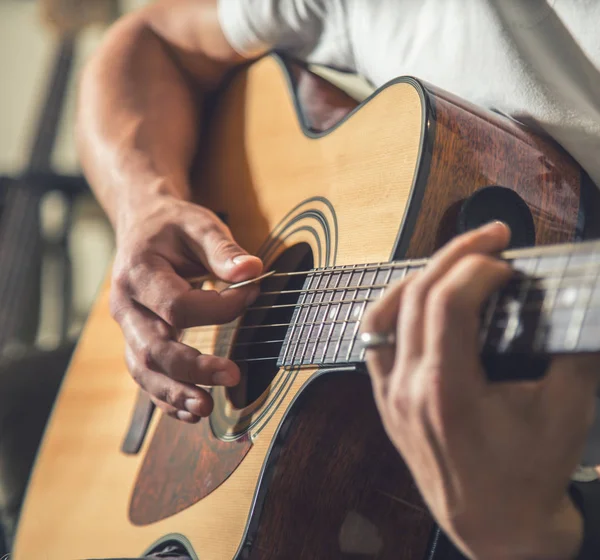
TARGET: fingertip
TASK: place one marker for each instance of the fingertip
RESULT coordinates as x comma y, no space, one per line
187,417
501,229
243,267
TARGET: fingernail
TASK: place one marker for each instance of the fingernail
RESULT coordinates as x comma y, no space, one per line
222,378
193,406
241,258
185,415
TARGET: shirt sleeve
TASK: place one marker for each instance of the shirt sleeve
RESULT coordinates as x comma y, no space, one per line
315,31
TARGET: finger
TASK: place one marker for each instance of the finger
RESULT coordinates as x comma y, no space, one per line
176,395
214,245
380,317
160,289
186,364
488,239
452,319
151,343
171,411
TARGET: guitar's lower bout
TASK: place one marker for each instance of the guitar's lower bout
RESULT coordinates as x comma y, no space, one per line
352,495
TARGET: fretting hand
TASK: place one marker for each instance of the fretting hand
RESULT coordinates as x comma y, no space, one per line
492,461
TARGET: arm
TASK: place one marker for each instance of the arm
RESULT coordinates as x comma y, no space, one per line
138,112
137,134
492,461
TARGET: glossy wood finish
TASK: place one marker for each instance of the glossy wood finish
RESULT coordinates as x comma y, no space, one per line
474,149
339,489
276,183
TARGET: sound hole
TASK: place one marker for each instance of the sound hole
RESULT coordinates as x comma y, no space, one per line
265,324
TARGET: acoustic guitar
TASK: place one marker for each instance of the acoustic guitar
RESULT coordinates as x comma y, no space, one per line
294,463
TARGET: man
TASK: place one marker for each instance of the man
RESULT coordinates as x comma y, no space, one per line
536,60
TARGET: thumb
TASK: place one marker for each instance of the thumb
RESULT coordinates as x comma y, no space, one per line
226,259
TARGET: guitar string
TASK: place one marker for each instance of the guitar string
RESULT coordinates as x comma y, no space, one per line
515,279
576,283
581,249
540,286
232,346
539,289
331,272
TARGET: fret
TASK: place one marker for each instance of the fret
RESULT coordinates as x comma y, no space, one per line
345,321
296,319
327,292
386,282
334,314
356,311
304,315
322,282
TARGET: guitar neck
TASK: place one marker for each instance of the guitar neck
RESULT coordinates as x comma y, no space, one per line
550,306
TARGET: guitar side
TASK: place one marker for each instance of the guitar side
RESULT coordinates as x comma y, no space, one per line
387,181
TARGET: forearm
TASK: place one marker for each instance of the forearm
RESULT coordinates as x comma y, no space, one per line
137,120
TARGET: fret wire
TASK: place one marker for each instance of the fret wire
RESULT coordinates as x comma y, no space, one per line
300,322
337,313
327,308
357,291
296,314
339,342
405,273
303,353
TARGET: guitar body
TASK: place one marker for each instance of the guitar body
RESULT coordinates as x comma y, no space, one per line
303,468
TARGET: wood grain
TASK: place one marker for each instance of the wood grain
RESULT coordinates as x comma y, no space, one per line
339,488
183,464
474,149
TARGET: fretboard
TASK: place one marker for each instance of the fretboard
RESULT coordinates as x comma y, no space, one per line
550,306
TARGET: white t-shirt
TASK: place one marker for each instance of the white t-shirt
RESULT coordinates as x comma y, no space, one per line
536,60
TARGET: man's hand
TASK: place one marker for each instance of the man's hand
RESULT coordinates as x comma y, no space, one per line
492,461
160,244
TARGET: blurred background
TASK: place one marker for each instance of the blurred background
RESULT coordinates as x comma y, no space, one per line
55,243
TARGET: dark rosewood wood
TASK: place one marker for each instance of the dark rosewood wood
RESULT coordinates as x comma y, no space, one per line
472,149
184,463
338,489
